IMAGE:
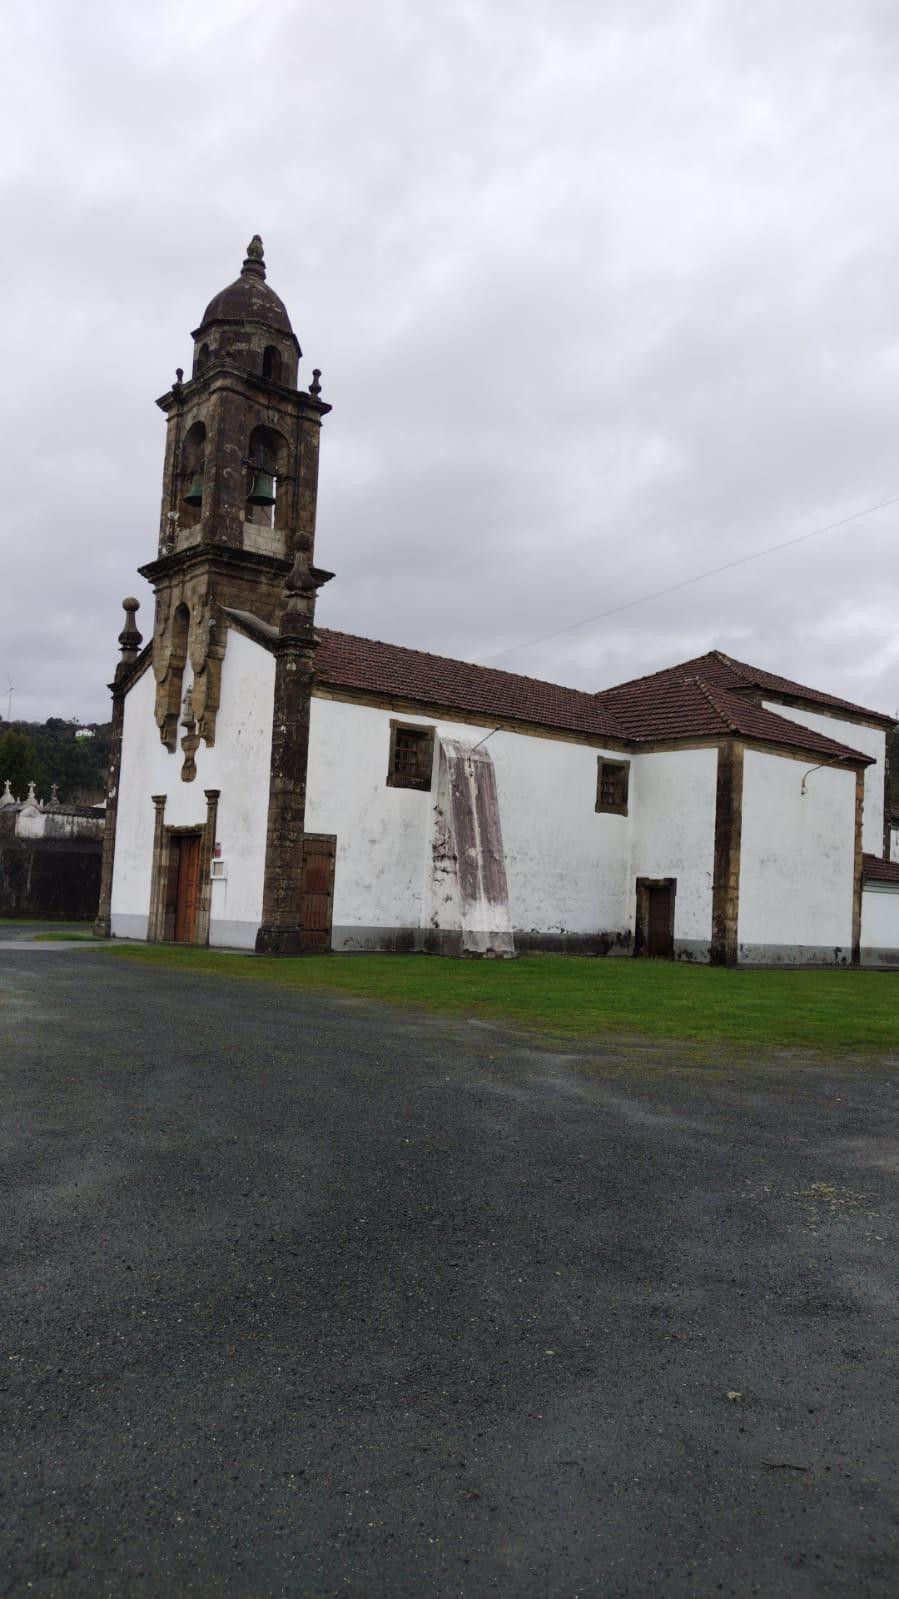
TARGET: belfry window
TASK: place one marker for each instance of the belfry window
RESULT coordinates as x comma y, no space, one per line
271,364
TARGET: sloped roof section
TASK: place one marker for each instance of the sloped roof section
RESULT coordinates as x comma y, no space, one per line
661,708
717,668
346,661
653,711
874,870
664,708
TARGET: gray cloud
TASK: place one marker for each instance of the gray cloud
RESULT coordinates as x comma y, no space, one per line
603,296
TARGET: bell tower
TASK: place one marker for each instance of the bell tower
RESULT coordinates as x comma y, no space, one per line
240,487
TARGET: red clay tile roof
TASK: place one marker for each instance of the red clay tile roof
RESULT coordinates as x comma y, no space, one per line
346,661
664,707
657,708
716,667
874,870
661,708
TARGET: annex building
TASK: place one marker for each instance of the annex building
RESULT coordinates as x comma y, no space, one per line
284,787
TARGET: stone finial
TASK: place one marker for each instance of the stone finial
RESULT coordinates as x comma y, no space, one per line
31,798
255,259
53,802
300,588
130,640
315,387
8,797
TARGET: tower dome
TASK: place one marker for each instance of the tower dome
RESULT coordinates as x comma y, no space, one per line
246,315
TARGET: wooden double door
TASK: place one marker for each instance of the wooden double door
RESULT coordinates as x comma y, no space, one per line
186,880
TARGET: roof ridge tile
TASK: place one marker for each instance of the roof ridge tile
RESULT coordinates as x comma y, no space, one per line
707,691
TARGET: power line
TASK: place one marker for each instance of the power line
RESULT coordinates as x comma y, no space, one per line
698,578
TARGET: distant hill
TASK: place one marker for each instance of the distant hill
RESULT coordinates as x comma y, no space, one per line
73,755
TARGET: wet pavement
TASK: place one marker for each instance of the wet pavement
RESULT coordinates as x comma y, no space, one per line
307,1296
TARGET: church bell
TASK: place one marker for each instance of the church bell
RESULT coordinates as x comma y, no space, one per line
194,495
262,489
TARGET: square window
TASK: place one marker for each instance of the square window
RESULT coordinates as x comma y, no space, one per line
411,756
611,786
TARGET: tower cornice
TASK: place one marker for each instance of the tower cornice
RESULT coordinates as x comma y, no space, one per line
230,380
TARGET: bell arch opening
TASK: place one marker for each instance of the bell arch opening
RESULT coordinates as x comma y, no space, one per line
191,475
267,465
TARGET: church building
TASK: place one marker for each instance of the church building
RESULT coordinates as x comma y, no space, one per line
286,788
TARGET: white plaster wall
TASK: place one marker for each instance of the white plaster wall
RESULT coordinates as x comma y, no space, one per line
858,736
894,843
797,860
673,796
880,924
238,765
566,865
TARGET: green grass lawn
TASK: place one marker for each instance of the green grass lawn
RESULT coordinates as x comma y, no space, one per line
573,997
66,938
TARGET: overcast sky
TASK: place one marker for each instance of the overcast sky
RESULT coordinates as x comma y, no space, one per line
604,293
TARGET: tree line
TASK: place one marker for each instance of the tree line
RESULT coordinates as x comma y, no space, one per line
44,753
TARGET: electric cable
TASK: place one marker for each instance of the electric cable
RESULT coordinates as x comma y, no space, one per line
698,577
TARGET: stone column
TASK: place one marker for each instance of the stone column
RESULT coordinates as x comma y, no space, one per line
728,838
280,932
857,876
155,920
130,642
205,904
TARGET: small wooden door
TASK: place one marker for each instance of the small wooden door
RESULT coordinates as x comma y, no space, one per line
660,929
187,888
317,891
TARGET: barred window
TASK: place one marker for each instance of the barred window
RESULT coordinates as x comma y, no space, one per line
411,756
611,786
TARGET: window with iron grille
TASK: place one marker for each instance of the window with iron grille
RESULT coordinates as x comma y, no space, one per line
611,786
411,756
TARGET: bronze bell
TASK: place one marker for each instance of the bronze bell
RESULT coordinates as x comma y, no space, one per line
194,495
262,489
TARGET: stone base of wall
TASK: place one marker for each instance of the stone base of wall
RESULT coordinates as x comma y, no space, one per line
879,957
50,877
794,955
575,943
128,926
448,941
693,949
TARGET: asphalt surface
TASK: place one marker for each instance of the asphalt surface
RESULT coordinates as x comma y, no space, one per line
311,1297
